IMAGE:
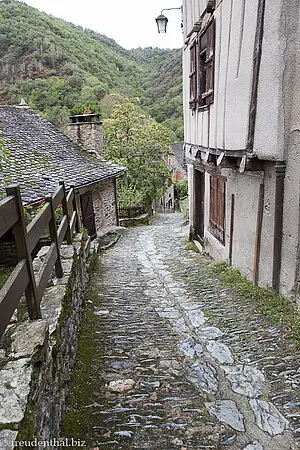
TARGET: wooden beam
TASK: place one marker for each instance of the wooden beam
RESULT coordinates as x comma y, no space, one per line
231,229
20,233
259,220
54,239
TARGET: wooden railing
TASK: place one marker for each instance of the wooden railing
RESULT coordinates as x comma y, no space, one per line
22,279
130,213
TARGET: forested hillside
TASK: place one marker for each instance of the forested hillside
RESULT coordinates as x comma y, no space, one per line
56,65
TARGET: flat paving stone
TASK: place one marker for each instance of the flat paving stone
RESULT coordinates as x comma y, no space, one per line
245,380
254,446
227,411
206,333
268,418
204,375
219,352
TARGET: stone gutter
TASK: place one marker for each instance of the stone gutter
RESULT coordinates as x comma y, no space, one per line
37,357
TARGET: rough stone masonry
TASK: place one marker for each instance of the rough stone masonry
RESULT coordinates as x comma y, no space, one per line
37,357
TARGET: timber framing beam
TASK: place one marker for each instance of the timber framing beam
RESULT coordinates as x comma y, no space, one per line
212,164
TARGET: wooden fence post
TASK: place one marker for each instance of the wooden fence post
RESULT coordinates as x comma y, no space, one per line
66,213
77,226
20,234
53,235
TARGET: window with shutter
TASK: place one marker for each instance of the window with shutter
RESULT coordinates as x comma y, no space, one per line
202,56
193,75
206,65
217,208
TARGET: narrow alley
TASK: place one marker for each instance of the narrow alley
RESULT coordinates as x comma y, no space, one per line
168,359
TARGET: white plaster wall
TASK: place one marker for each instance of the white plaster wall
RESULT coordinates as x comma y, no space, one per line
290,275
246,190
228,124
245,187
222,16
269,130
239,74
192,11
266,250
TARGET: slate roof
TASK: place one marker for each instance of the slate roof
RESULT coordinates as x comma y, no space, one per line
41,156
178,151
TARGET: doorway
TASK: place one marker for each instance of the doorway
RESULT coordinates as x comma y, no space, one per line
88,215
199,204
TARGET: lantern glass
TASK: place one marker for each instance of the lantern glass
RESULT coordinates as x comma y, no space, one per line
162,23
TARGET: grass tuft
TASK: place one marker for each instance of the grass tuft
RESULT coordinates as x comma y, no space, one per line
190,245
278,309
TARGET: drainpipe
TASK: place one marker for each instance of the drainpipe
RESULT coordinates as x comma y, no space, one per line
278,219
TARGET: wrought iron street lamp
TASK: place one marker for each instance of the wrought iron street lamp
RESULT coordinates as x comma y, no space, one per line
162,20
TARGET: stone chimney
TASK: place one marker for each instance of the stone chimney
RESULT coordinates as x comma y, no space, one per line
86,131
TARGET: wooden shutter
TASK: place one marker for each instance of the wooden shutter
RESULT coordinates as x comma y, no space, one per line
193,76
209,63
88,216
217,208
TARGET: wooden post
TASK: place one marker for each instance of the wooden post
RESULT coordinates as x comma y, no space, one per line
66,213
75,208
20,233
259,219
231,229
53,235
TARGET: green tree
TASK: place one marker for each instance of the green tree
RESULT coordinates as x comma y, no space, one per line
139,143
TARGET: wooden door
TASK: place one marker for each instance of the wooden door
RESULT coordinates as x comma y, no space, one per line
199,204
88,215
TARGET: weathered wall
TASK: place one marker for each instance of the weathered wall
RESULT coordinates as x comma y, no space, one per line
269,129
224,124
290,26
245,188
88,135
105,204
37,357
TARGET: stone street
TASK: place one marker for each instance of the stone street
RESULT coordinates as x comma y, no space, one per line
168,359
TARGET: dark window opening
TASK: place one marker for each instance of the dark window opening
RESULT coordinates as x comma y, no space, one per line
193,76
202,53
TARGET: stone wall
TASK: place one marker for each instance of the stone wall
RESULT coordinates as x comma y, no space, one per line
37,357
8,253
104,202
89,136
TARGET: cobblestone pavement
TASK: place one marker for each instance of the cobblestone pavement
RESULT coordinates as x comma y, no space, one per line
169,360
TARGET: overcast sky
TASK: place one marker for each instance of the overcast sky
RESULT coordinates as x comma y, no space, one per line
129,22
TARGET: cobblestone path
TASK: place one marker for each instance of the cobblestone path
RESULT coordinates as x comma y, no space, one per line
169,360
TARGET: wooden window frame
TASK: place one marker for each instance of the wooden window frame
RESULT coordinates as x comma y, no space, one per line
193,75
217,207
202,62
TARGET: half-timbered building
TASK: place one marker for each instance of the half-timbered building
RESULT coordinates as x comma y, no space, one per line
242,113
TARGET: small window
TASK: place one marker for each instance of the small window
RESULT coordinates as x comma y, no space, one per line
201,76
193,75
206,66
217,208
